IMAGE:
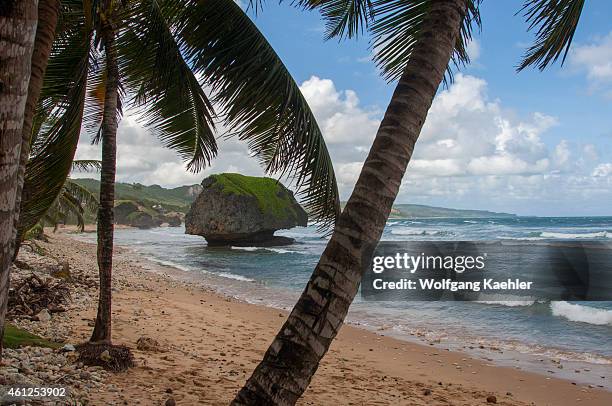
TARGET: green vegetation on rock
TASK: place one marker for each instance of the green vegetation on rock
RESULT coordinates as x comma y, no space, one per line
14,337
269,193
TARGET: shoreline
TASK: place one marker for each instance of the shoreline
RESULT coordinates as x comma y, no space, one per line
213,342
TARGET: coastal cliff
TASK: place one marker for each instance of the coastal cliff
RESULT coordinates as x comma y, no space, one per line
234,209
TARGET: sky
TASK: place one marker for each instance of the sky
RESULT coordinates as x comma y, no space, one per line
530,143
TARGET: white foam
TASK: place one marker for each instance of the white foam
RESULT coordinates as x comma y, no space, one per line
418,231
282,251
235,277
601,234
508,303
277,250
246,248
501,237
582,314
169,263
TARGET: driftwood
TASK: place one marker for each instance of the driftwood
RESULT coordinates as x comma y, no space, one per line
29,295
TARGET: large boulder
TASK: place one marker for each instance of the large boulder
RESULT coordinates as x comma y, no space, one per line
172,219
143,220
234,209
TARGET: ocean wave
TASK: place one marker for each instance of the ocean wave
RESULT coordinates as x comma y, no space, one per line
168,263
234,276
270,249
502,237
508,303
416,231
601,234
250,249
582,314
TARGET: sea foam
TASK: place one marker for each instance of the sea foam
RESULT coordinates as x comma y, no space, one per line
601,234
580,313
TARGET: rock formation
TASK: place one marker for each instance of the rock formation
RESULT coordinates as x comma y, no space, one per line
234,209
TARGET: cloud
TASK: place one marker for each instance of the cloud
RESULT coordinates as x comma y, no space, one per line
142,158
466,133
595,61
603,170
339,114
473,152
473,50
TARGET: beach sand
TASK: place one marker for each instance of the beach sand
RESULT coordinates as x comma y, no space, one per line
212,343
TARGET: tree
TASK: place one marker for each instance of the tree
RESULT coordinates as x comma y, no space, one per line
17,31
156,57
48,12
414,41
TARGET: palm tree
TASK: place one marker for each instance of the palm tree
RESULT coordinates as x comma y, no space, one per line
17,30
149,55
414,42
48,13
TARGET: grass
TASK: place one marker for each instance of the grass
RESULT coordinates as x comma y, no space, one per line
269,193
14,337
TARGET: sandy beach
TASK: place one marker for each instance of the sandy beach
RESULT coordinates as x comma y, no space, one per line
210,344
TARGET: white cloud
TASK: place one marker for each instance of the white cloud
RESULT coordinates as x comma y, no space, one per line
603,170
473,50
468,134
341,118
595,61
142,158
473,152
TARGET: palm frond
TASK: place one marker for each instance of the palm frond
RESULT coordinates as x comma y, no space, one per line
343,18
171,100
55,146
71,204
82,195
262,103
86,165
396,29
555,22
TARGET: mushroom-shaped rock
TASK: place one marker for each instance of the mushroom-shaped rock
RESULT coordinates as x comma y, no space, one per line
240,210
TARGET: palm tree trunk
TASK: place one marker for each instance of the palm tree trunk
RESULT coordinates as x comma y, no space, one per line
17,31
102,329
48,11
294,355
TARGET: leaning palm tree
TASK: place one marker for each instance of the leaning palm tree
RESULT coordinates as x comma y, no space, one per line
48,13
155,57
414,41
17,33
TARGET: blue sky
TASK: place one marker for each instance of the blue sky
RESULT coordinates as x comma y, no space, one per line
532,143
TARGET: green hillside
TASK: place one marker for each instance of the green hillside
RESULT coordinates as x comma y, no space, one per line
175,199
180,199
418,210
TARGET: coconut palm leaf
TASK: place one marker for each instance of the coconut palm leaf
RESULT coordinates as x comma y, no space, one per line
396,29
260,101
343,18
72,202
86,165
555,22
82,195
159,82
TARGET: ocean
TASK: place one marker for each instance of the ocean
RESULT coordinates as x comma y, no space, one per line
518,334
